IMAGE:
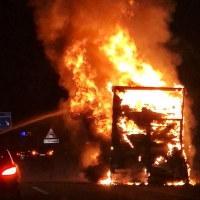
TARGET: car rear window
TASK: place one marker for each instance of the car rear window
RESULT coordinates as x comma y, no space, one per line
4,156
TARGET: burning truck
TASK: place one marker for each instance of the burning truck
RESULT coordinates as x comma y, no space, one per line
126,47
147,136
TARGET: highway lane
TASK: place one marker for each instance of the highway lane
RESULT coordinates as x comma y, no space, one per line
57,181
87,191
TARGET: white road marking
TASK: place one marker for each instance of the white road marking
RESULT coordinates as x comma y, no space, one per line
39,190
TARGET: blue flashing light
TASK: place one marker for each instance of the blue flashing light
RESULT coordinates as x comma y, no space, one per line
23,133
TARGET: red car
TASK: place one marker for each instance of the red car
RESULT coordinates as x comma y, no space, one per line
10,176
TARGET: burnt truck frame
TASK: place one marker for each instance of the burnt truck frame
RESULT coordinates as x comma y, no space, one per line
134,161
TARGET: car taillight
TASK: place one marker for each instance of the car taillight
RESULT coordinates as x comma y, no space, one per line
9,171
34,153
18,153
49,153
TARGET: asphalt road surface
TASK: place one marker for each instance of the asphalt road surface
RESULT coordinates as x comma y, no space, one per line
57,181
85,191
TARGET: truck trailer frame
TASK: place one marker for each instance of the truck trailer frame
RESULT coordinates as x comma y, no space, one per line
147,145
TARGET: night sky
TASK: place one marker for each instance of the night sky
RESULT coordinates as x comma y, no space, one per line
186,29
28,82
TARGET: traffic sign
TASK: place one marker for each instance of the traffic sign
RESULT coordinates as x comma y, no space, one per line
5,120
51,134
51,137
51,141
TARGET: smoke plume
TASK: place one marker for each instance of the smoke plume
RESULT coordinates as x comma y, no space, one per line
66,26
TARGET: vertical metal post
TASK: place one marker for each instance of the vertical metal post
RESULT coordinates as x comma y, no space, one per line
182,119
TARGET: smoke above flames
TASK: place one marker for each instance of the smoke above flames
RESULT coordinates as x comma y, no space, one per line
93,45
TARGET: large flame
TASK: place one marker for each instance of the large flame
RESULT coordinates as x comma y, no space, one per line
121,52
108,43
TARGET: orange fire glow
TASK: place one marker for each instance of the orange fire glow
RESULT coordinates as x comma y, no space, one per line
121,52
106,181
97,45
